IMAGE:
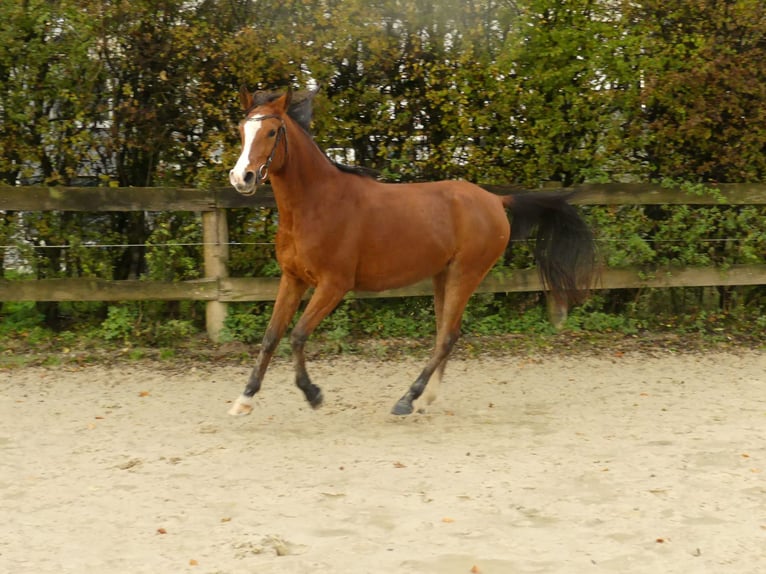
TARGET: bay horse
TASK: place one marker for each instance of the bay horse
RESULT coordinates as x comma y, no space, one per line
341,229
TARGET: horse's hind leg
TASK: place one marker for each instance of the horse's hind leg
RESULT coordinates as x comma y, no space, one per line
435,382
432,388
442,350
456,295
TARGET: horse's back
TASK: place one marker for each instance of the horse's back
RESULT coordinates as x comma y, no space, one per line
471,215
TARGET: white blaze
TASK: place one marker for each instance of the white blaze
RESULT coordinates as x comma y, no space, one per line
237,175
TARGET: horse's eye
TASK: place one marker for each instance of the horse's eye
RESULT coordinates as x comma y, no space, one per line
272,133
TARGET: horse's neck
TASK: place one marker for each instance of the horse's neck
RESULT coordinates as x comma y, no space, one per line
296,186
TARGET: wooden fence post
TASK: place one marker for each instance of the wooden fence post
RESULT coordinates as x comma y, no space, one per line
215,237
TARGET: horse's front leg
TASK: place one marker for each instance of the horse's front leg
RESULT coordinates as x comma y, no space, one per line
325,298
289,296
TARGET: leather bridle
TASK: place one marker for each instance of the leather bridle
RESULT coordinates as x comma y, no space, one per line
263,171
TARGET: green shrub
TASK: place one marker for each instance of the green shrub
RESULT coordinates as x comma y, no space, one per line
169,333
120,324
246,323
19,317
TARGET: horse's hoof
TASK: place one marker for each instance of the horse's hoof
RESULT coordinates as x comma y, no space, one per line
241,407
318,399
402,407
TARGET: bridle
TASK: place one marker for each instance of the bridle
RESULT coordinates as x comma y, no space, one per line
263,170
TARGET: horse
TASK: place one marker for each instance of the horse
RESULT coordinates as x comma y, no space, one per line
341,229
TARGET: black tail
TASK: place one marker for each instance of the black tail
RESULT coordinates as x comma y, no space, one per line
564,247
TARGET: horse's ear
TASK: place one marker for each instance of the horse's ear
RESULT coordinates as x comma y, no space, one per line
282,102
288,98
245,98
301,109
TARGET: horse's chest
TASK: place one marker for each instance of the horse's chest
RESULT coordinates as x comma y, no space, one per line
296,256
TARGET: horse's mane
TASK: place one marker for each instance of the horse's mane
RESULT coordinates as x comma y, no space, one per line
301,111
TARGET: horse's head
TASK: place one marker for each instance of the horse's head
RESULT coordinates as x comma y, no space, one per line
264,138
264,134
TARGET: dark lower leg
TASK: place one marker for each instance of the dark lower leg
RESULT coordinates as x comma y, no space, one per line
268,346
326,297
244,403
404,405
312,392
432,389
288,298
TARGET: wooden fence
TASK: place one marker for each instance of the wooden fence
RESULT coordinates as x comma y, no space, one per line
218,289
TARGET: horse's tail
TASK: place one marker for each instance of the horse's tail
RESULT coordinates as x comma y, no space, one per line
564,246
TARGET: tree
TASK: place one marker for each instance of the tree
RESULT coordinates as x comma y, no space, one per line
412,85
49,92
565,70
703,113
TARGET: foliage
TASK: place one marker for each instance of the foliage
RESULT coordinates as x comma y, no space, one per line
252,253
19,318
702,116
120,324
128,324
246,323
174,247
145,93
567,77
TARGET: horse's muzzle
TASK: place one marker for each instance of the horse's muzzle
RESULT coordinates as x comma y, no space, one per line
244,185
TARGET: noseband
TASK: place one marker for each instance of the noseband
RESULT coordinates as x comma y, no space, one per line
263,171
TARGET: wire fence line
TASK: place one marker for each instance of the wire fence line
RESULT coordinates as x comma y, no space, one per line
612,240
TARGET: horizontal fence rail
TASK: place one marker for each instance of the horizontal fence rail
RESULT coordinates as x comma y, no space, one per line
218,289
34,198
244,289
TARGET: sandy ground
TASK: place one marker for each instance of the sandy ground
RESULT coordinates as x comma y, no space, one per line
627,463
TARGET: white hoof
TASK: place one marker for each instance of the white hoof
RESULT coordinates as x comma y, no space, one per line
242,406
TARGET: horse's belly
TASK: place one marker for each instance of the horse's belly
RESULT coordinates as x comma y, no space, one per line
380,275
387,282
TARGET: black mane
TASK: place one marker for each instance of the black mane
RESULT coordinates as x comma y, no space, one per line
355,169
301,111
